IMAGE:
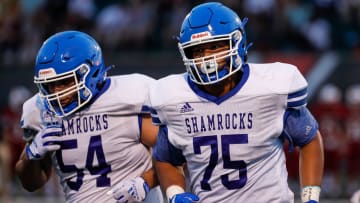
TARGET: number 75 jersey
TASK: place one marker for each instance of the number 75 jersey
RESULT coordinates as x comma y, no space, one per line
100,145
232,144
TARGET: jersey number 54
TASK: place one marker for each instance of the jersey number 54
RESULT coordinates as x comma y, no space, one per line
101,169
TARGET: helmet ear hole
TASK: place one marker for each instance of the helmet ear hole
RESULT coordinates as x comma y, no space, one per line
95,73
96,84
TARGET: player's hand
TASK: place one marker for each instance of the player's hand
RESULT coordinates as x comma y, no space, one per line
130,191
184,198
47,140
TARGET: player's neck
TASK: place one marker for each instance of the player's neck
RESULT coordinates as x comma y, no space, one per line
223,87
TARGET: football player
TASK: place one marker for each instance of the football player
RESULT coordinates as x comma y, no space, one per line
94,130
226,119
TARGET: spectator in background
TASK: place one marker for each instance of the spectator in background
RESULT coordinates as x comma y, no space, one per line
170,15
125,24
11,143
330,112
353,132
10,31
81,14
319,25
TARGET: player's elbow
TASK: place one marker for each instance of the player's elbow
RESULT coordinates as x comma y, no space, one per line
28,181
29,187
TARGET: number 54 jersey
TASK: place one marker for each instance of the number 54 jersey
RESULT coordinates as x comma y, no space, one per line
101,143
231,144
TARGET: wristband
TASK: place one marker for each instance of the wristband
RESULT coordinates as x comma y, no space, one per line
310,193
173,190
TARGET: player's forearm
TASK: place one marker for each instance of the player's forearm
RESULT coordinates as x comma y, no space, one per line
169,175
150,178
312,162
32,174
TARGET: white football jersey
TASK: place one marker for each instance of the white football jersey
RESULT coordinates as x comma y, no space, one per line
232,144
101,145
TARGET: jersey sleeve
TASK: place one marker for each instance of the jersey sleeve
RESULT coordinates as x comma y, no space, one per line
127,94
30,118
297,95
155,117
155,102
137,92
300,126
165,94
146,107
164,151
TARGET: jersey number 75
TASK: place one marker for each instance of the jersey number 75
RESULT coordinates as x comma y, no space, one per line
226,141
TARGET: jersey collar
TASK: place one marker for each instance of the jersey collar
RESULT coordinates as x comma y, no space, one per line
219,100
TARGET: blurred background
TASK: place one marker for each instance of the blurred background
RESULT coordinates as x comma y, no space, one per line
320,37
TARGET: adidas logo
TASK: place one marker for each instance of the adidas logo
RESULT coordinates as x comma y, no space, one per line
307,129
186,108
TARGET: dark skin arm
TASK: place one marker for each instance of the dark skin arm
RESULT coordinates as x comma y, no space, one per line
169,174
33,174
311,163
148,131
148,137
150,177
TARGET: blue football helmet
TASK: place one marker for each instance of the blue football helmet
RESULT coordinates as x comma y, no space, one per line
212,22
74,56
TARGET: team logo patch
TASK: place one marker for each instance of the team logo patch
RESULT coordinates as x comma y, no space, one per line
49,120
186,108
200,35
